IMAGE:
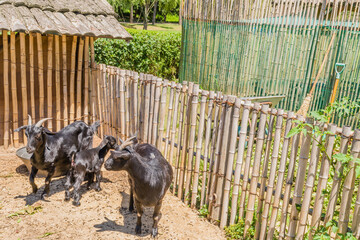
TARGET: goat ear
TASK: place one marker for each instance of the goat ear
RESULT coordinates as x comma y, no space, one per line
121,154
20,128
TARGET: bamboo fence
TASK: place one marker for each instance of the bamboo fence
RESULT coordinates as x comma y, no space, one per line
235,160
265,48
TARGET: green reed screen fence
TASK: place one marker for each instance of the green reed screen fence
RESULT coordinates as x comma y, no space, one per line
272,49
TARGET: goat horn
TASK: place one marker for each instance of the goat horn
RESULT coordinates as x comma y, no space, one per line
128,142
121,141
39,123
30,120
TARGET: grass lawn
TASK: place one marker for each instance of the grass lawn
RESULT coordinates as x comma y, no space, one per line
169,27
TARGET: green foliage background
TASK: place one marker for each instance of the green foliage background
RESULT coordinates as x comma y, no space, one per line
152,52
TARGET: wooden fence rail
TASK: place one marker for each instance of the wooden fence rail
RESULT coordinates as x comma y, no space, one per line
235,158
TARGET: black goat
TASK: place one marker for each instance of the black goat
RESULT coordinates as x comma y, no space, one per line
53,151
150,176
87,161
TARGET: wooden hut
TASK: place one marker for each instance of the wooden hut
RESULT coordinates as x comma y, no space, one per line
47,60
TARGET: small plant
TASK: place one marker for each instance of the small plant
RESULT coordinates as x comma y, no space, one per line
331,228
236,231
28,210
46,235
203,211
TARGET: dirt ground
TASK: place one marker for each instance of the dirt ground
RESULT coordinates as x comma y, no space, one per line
102,215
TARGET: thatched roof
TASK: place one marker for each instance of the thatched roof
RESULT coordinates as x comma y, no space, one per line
94,18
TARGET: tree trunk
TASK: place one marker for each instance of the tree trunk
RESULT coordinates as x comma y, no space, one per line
165,18
132,13
180,11
146,14
154,13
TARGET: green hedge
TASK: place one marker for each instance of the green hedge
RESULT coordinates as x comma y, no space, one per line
152,52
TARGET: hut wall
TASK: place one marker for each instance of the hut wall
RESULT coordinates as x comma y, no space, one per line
47,108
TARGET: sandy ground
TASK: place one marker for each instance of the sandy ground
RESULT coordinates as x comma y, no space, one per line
102,215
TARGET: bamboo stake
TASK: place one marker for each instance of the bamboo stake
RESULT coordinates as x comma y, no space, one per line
346,131
79,78
192,128
49,80
72,80
147,92
204,96
6,88
114,104
57,83
93,84
135,102
15,106
206,147
323,177
23,82
300,180
256,168
230,159
65,87
127,103
312,169
247,165
31,75
349,184
173,132
214,199
162,116
141,93
122,104
100,97
168,120
265,171
289,181
86,80
156,115
281,173
41,74
152,103
272,174
239,160
355,228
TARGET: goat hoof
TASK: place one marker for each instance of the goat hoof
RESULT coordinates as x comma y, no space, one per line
34,191
98,189
44,196
76,204
154,232
67,199
131,209
138,229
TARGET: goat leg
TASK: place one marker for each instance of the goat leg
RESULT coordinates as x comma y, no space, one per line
33,173
47,183
90,177
156,219
79,178
98,179
68,184
131,203
139,210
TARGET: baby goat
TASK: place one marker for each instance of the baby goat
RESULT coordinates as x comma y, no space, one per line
87,161
150,176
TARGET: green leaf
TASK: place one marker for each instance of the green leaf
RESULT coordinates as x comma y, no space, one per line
293,132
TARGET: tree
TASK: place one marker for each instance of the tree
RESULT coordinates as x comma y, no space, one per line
168,6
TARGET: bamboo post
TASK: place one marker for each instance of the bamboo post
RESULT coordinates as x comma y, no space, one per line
281,175
168,120
213,198
86,80
135,102
189,165
289,181
100,98
323,177
247,165
141,94
114,102
355,228
64,77
162,116
230,159
185,142
256,168
49,80
103,97
6,88
23,82
194,192
156,115
264,174
79,78
349,184
272,173
40,57
15,106
345,138
122,104
152,80
72,79
239,160
309,185
147,92
127,102
207,145
31,75
173,134
57,83
300,180
93,72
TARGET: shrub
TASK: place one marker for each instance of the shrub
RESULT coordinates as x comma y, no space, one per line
152,52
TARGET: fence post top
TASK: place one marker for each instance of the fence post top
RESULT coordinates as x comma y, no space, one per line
195,89
204,93
238,102
159,82
280,112
357,135
346,132
265,108
290,115
231,99
211,95
273,111
173,84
